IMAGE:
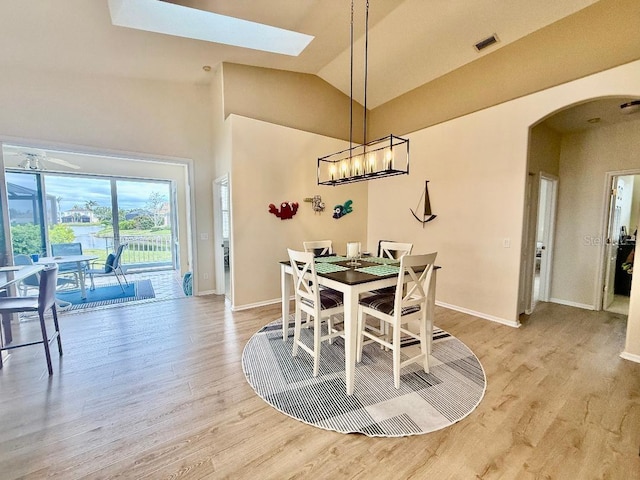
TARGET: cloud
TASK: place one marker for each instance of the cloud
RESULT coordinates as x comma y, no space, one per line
76,190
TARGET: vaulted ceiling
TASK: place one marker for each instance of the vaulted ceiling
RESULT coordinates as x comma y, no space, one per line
411,41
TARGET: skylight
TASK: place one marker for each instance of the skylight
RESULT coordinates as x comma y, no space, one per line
171,19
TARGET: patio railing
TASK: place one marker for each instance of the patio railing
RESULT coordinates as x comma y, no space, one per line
142,250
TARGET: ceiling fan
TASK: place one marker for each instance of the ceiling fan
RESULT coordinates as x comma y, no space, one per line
37,159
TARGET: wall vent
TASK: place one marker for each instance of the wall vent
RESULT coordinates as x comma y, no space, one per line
487,42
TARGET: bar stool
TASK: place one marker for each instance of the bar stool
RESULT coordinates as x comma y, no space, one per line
46,300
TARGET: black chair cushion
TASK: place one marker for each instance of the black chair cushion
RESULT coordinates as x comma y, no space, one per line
328,299
384,303
108,265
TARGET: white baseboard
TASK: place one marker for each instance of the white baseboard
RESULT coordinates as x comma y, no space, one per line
630,356
207,292
572,304
503,321
248,306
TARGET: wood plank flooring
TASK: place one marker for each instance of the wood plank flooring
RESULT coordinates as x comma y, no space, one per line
156,390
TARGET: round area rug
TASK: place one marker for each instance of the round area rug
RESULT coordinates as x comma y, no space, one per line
424,403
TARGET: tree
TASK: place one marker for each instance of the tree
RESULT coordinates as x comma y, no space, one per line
61,233
26,238
90,205
155,204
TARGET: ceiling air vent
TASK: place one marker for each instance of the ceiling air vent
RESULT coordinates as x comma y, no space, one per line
487,42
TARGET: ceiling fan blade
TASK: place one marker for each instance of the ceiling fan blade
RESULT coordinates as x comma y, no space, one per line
62,162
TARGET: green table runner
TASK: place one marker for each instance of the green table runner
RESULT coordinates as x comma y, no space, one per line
383,261
323,267
380,270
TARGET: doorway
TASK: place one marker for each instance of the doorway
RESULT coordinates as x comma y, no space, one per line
222,221
547,199
623,218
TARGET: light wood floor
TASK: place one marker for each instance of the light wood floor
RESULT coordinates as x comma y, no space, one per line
156,390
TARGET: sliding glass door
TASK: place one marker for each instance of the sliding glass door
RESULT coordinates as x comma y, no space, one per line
98,212
145,219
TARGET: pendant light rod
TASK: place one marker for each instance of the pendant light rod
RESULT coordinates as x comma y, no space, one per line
351,87
366,70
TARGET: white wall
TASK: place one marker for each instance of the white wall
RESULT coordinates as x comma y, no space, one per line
134,117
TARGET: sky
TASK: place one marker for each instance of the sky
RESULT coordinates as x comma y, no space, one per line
79,190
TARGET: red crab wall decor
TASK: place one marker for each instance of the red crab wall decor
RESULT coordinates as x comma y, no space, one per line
287,210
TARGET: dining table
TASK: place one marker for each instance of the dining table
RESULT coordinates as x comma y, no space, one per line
338,273
9,276
79,260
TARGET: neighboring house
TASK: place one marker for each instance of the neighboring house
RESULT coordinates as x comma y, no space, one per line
78,215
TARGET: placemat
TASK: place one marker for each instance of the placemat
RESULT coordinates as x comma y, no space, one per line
383,261
380,270
322,267
335,258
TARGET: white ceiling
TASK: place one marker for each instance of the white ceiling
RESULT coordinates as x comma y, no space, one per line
411,41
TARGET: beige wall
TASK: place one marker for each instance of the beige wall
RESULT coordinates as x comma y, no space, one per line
291,99
596,38
544,157
585,159
142,118
477,165
274,164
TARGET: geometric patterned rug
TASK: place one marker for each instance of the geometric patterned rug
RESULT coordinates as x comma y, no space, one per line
424,403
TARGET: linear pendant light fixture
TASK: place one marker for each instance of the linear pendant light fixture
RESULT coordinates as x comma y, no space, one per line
384,157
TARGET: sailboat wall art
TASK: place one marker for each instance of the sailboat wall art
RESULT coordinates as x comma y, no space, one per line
426,215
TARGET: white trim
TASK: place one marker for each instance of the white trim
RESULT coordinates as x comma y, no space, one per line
630,356
503,321
249,306
206,292
572,304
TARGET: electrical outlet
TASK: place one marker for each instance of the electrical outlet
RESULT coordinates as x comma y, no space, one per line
506,243
205,276
204,236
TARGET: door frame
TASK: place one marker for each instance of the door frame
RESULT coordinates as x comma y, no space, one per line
544,294
218,238
604,233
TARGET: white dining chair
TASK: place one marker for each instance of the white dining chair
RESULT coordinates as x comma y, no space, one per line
394,249
397,309
319,247
320,304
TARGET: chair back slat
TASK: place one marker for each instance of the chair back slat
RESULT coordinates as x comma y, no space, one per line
304,274
394,249
66,249
413,281
118,256
47,291
319,247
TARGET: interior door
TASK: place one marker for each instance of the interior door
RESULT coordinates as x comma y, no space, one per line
615,199
545,233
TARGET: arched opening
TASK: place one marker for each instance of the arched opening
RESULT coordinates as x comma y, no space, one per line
580,148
